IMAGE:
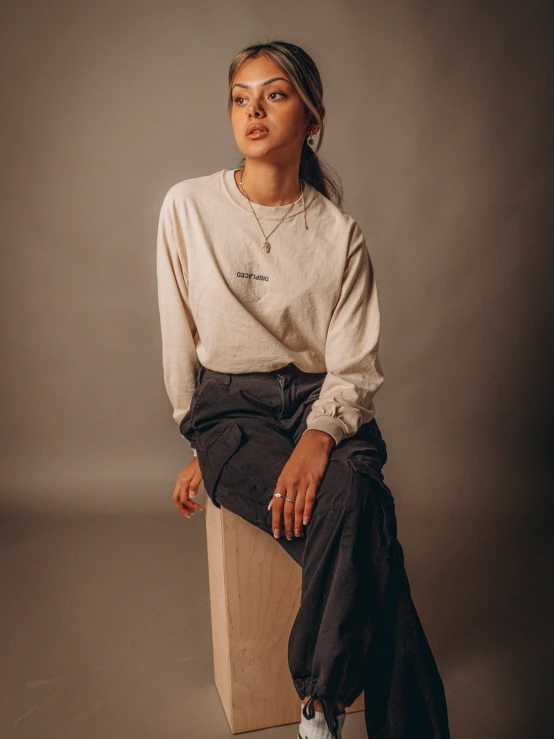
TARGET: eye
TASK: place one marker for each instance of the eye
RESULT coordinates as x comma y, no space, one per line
278,93
236,98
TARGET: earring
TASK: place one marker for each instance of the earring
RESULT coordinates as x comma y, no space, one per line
310,140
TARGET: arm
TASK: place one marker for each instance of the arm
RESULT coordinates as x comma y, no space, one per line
354,373
180,363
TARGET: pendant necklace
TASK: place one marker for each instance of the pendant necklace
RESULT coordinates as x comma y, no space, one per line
266,246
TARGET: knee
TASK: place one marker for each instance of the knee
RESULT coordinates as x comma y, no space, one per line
367,486
348,483
334,488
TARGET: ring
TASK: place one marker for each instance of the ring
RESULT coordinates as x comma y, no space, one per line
291,500
278,495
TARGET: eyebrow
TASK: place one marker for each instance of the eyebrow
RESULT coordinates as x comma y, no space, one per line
267,82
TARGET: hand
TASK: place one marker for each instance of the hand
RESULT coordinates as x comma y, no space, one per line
188,482
300,479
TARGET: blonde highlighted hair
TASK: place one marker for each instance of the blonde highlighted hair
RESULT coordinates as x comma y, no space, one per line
304,76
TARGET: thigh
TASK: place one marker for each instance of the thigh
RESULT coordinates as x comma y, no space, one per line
352,464
365,450
240,453
242,467
354,480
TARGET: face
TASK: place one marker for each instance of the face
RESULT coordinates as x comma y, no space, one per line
263,95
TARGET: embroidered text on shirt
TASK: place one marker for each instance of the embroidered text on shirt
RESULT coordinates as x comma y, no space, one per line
252,276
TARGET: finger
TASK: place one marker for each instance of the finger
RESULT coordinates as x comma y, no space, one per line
176,490
176,497
298,512
288,513
184,483
194,483
188,508
193,492
182,508
309,503
191,505
181,504
277,512
181,495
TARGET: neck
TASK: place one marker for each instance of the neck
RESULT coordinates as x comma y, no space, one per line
267,184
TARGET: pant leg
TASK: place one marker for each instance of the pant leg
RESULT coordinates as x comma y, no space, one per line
241,445
357,627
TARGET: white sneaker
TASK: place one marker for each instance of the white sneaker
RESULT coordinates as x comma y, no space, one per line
316,727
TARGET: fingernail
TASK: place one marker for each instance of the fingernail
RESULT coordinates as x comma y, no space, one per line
269,506
289,536
298,532
276,533
306,520
193,493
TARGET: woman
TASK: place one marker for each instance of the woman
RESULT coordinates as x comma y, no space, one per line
270,332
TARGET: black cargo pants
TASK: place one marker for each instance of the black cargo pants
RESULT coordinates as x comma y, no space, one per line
357,628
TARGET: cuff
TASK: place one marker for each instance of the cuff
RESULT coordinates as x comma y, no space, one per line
330,425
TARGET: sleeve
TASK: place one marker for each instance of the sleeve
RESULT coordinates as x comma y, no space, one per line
354,373
180,362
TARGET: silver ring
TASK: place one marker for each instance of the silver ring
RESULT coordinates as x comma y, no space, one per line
278,495
291,500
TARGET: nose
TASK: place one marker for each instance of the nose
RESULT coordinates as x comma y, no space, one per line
254,109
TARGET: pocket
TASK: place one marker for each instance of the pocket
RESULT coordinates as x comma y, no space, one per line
214,454
187,427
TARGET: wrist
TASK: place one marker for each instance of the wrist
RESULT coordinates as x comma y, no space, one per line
330,424
322,437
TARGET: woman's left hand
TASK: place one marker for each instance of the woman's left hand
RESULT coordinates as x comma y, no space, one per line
299,480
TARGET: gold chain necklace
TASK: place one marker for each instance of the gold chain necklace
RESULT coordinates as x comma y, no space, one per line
266,246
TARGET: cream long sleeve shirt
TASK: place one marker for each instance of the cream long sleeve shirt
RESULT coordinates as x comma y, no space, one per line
225,302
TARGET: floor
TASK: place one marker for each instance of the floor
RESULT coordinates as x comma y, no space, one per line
105,628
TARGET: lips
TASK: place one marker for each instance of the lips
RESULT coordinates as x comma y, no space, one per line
256,128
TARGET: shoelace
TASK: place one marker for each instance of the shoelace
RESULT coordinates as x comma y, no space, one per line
328,711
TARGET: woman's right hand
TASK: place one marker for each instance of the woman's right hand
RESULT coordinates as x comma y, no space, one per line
188,482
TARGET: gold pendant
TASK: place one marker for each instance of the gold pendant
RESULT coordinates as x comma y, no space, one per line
266,246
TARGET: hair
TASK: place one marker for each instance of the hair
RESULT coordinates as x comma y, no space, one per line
304,76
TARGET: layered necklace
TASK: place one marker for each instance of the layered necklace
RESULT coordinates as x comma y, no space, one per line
266,246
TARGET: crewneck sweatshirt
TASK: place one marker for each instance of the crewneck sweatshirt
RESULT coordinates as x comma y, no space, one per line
228,304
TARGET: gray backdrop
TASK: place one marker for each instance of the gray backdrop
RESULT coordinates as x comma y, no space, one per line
439,121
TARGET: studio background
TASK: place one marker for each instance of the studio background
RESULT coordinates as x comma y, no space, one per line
439,122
